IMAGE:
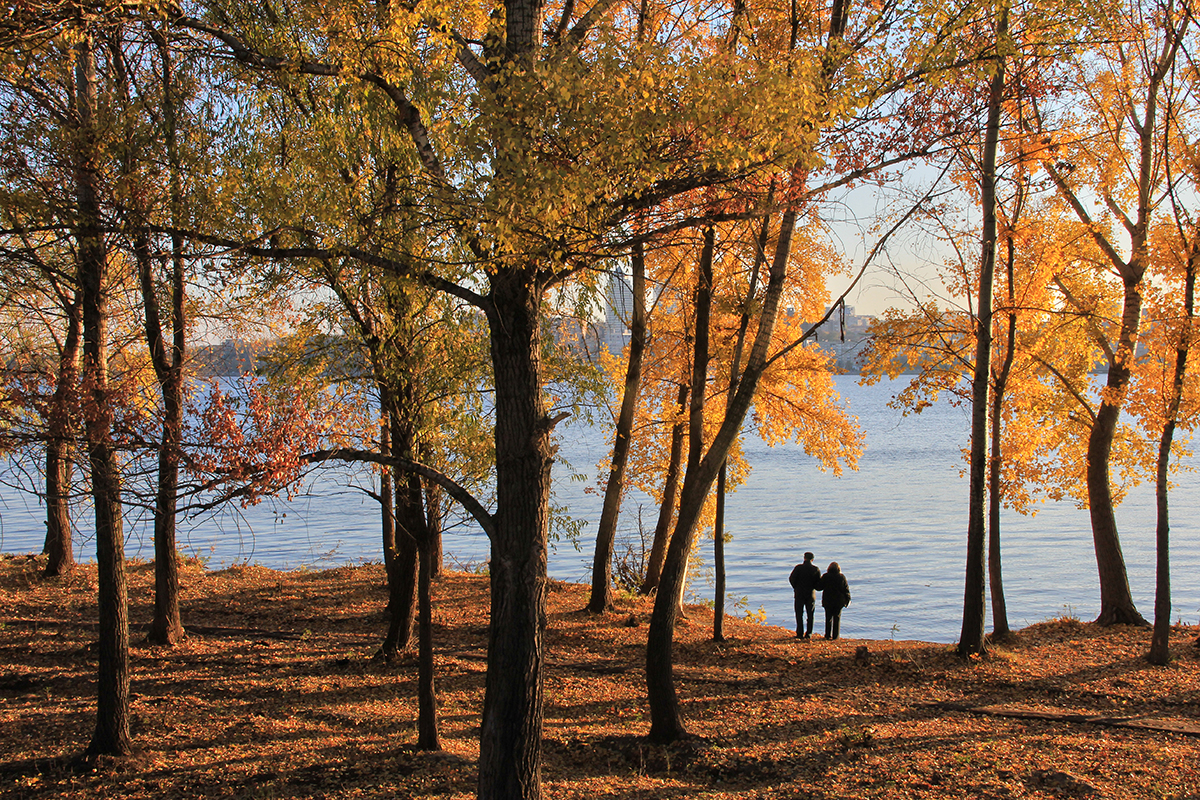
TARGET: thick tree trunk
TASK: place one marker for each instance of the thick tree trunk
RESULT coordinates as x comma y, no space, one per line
666,511
614,491
1116,601
972,639
112,709
402,568
666,723
511,738
59,548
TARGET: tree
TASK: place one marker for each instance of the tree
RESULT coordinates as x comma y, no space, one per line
601,596
41,301
557,148
1121,87
112,714
971,641
42,312
793,398
1166,402
167,349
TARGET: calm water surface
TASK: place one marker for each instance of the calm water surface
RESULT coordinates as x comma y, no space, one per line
896,525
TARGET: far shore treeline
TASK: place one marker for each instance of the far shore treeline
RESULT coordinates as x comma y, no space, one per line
460,224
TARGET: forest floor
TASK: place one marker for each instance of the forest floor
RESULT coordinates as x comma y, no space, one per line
275,693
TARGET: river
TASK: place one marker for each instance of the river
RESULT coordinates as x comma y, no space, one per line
896,525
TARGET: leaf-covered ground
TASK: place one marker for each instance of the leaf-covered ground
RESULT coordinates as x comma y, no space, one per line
275,694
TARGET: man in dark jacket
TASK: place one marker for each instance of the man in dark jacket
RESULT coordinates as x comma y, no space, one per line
835,595
805,580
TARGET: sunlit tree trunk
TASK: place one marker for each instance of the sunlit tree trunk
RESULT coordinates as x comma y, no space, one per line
666,722
614,491
735,366
1160,649
971,640
995,571
666,511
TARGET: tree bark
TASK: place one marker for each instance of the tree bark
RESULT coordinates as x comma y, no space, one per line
718,634
511,737
167,625
666,723
1116,600
666,511
427,721
402,568
735,366
614,491
112,735
1160,647
972,639
59,547
435,511
995,571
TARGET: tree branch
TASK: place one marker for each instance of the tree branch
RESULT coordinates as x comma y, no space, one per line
464,497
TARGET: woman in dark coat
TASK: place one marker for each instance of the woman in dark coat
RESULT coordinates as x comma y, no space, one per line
835,595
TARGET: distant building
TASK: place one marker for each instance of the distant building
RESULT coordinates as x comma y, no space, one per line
844,334
618,312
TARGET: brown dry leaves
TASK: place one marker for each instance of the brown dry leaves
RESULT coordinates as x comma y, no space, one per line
275,694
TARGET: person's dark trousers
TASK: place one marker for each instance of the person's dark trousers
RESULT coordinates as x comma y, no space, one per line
833,621
803,608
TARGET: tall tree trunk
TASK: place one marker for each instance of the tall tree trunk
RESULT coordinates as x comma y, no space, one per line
718,633
614,491
511,738
666,511
1116,601
1160,647
666,723
111,736
995,571
735,366
972,639
59,548
167,625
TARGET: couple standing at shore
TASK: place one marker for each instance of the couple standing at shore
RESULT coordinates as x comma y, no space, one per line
806,579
